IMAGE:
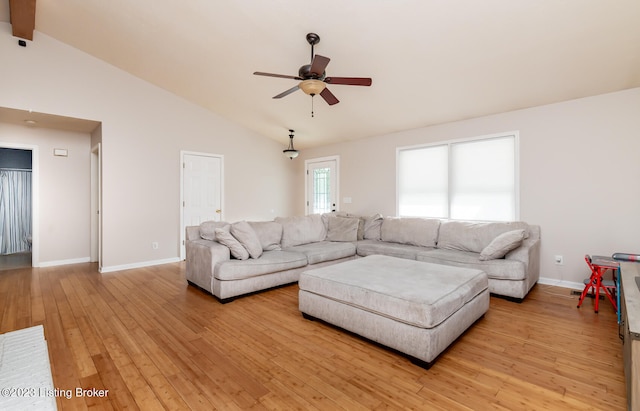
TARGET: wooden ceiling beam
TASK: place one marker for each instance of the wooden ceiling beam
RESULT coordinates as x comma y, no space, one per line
23,18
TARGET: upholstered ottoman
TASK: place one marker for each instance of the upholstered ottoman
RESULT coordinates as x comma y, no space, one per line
414,307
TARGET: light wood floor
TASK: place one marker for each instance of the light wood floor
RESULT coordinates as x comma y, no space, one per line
156,343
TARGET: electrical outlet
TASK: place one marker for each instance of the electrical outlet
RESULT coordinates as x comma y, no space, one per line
559,260
154,245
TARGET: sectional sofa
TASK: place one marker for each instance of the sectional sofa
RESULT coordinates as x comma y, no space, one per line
231,260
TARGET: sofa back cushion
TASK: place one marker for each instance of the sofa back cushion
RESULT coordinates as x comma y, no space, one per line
269,233
301,230
474,236
413,231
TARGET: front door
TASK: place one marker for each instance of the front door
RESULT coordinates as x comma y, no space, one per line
202,190
322,185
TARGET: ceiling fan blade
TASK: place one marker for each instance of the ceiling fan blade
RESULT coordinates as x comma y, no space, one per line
259,73
329,97
286,93
349,81
318,64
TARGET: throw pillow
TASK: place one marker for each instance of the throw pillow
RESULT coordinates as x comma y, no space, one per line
343,229
502,244
245,234
224,237
361,221
372,227
207,229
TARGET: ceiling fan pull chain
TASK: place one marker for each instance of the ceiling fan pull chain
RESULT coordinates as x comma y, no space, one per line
312,105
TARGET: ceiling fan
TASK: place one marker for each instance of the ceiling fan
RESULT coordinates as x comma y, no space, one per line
313,78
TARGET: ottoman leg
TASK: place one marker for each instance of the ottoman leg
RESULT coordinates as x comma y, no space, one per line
309,317
420,363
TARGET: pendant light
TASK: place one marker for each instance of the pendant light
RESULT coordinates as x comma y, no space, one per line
291,152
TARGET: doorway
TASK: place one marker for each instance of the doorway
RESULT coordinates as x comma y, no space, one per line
18,200
201,193
96,206
321,185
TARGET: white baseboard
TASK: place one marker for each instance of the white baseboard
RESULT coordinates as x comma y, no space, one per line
64,262
113,268
561,283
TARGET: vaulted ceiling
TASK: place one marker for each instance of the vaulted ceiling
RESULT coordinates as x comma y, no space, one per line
432,61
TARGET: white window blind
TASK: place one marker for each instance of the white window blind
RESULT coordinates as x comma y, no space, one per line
466,180
420,196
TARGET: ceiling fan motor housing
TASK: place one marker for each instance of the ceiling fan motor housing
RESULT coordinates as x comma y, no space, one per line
305,73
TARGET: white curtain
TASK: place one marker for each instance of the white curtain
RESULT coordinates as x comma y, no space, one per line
15,211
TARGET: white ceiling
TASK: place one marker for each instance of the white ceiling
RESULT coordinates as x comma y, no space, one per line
432,61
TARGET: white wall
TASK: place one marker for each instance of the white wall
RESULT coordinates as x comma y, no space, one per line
579,165
63,191
144,128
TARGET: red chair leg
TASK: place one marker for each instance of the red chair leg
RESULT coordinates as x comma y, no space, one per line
587,287
597,293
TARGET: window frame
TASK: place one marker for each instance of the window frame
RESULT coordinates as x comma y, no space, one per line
448,143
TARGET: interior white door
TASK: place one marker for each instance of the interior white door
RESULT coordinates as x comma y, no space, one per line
322,178
202,190
96,206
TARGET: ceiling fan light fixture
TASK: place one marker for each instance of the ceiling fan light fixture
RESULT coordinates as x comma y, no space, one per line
312,87
291,152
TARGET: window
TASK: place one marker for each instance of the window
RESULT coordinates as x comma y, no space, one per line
321,190
473,179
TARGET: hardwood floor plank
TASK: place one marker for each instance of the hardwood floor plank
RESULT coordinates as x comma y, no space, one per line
37,305
156,343
132,375
119,395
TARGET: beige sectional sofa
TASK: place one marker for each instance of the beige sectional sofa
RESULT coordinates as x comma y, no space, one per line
231,260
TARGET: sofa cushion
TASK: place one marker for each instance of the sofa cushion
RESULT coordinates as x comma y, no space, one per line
342,228
207,229
474,236
373,247
269,262
372,227
223,236
413,231
244,233
325,251
499,269
502,244
269,233
301,230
